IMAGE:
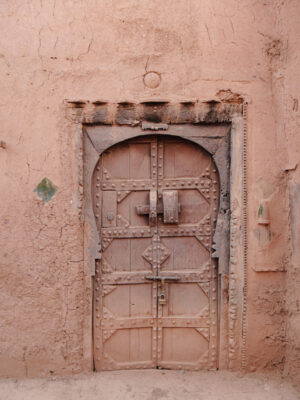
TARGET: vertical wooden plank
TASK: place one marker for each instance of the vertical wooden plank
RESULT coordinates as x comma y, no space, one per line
139,162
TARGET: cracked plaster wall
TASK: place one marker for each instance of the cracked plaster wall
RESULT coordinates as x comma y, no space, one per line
99,50
288,78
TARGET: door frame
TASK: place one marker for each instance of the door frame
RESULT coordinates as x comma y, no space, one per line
122,121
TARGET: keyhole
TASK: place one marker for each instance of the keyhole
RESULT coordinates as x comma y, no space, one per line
162,299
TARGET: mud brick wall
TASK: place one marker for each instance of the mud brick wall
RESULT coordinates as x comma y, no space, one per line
116,60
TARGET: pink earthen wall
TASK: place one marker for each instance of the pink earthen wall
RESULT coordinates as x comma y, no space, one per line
100,50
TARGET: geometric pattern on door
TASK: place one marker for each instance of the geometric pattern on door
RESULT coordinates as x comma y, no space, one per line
155,202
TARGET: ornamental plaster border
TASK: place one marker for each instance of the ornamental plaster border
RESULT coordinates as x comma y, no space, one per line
233,286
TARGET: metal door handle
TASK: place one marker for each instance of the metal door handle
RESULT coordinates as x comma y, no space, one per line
171,206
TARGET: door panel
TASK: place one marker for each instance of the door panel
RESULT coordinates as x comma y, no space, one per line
126,255
195,258
127,208
194,206
155,300
128,347
183,161
128,301
186,299
181,344
191,304
125,304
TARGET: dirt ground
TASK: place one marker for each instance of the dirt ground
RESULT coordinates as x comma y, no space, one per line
152,385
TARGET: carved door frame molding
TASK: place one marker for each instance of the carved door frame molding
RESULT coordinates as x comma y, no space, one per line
188,120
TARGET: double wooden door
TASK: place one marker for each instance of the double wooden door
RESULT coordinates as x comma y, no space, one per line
155,292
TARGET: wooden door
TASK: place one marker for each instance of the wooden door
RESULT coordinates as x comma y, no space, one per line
155,292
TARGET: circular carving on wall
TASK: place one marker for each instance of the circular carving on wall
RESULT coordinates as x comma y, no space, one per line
152,79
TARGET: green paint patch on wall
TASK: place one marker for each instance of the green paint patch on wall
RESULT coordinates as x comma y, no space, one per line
46,189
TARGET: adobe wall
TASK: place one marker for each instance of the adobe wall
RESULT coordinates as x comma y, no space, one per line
53,51
289,82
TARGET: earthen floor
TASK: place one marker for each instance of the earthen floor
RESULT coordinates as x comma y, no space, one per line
151,385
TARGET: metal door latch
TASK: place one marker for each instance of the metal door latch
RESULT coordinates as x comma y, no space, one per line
162,278
170,207
150,209
162,297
